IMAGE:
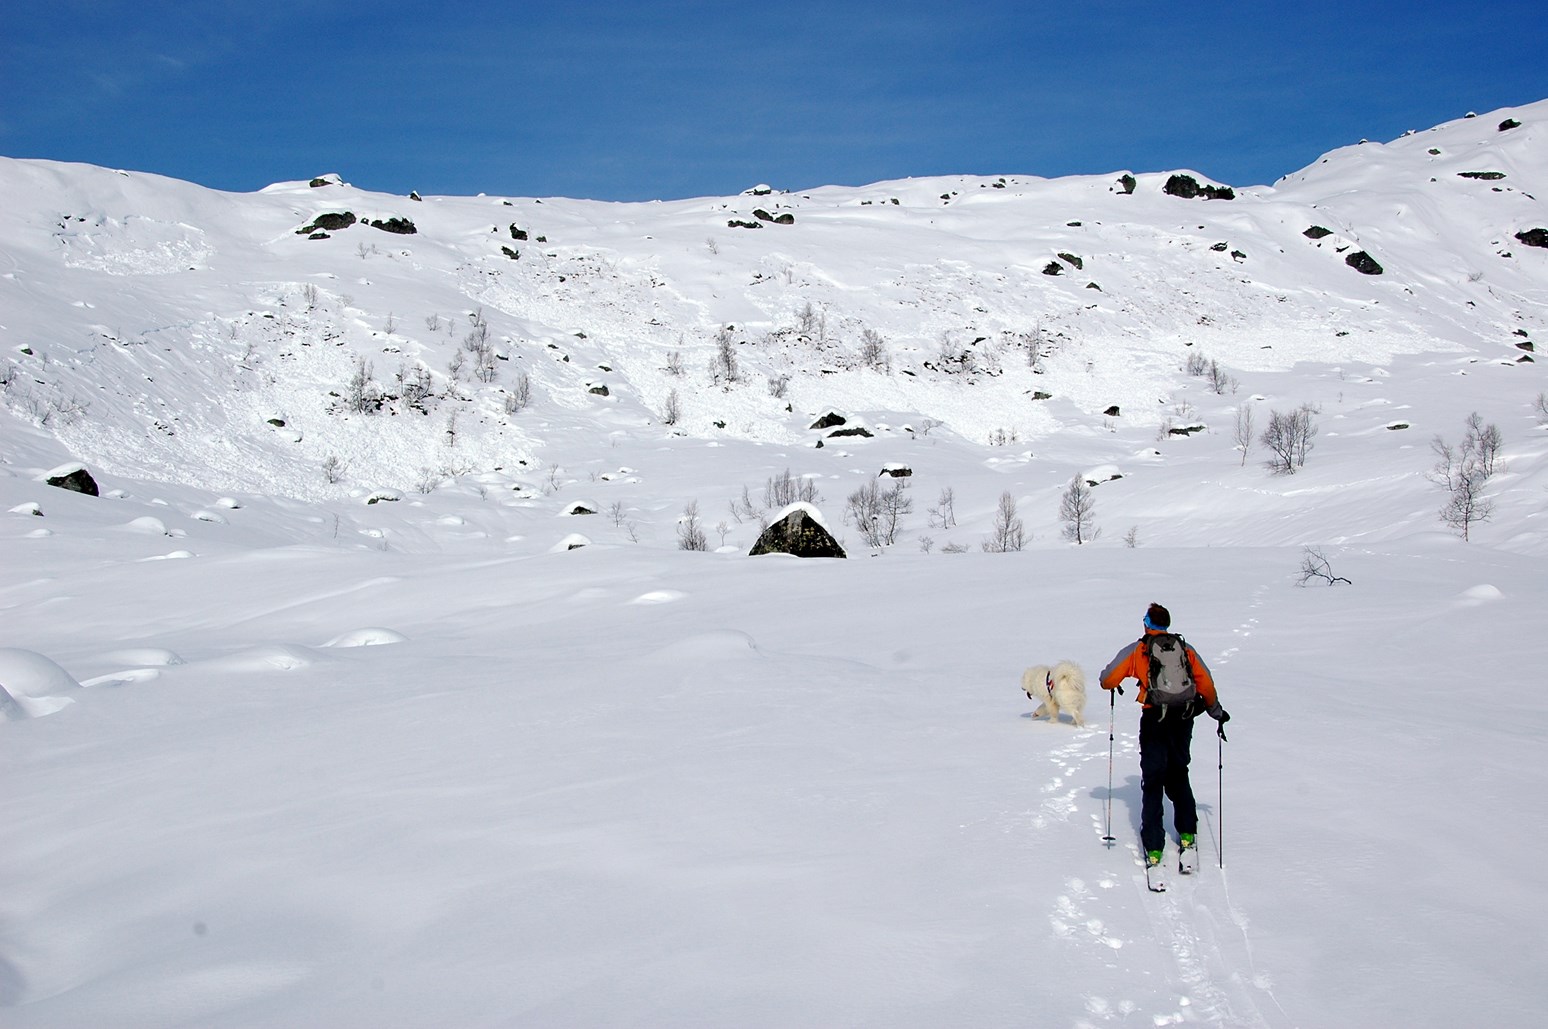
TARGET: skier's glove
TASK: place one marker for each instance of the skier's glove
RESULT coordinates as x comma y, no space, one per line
1219,714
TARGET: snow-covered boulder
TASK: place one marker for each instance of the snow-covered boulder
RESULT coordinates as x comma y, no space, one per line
72,477
798,529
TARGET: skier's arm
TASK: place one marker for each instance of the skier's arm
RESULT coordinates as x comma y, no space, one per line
1204,682
1120,668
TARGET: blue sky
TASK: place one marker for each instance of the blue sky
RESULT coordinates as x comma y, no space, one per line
638,101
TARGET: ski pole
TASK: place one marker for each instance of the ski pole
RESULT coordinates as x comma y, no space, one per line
1220,791
1112,701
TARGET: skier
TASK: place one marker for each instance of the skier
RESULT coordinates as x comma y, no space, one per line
1174,685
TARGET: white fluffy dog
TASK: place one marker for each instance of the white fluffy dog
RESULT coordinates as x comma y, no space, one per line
1060,688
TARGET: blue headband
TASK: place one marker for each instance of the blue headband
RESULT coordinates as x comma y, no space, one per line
1152,625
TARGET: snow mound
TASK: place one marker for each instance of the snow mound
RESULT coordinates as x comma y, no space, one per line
33,684
124,678
367,637
658,597
1482,594
721,645
147,657
284,657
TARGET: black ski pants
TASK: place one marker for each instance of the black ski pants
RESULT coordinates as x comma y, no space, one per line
1165,738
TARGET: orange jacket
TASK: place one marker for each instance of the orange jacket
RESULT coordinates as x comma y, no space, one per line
1131,663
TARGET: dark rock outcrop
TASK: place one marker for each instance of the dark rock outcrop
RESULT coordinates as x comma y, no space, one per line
78,480
1534,237
799,534
829,420
1363,263
331,221
1316,232
401,226
1188,188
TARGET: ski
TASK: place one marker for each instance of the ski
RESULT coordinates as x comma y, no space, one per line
1187,860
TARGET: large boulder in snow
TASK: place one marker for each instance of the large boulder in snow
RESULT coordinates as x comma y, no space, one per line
329,221
1188,187
1534,237
73,477
1363,263
797,530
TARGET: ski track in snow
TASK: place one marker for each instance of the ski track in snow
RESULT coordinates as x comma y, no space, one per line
1192,930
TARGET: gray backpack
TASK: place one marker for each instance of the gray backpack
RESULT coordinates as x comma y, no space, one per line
1171,678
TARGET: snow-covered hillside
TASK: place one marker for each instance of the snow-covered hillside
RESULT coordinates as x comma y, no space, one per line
163,328
374,688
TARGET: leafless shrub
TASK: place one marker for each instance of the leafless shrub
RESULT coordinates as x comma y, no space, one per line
1219,381
415,386
332,468
742,508
1288,439
944,514
1008,534
877,514
672,410
520,396
1464,471
1077,509
784,489
1003,437
690,534
1244,430
724,368
873,351
1315,565
361,396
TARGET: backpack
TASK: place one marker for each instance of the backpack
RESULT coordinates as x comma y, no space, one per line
1171,676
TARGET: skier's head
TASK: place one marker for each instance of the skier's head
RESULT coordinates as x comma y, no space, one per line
1158,618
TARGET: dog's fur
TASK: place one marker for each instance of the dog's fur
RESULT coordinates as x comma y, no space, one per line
1061,688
